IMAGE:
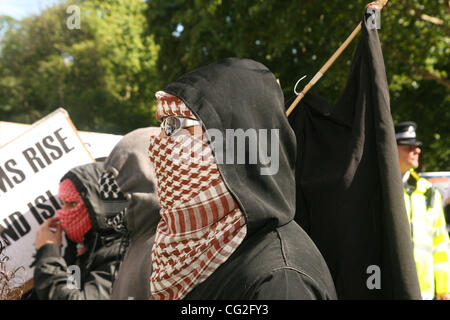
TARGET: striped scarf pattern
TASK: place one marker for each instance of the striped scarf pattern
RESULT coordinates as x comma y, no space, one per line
201,223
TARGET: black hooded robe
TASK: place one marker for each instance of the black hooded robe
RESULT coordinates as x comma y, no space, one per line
276,260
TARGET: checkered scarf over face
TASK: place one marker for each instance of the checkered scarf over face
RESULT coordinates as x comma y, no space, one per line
201,223
110,191
75,222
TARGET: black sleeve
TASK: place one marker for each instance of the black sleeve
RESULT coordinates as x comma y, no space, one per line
447,213
289,284
51,278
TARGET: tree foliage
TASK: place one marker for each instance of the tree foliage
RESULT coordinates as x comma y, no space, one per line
106,73
103,73
295,38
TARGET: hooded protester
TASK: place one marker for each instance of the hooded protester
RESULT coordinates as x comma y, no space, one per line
92,246
226,228
129,175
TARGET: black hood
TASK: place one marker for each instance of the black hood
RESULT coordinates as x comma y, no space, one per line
237,93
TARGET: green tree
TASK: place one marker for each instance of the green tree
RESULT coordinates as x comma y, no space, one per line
295,38
103,73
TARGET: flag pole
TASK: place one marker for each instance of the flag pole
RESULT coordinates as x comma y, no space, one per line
379,4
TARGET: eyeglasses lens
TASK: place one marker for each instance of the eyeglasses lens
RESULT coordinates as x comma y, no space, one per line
170,125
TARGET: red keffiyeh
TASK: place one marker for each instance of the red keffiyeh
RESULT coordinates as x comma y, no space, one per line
75,222
201,223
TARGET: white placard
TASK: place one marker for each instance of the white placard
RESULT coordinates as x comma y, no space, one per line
31,166
99,144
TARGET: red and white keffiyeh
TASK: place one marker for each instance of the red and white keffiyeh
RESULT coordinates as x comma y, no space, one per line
75,222
201,223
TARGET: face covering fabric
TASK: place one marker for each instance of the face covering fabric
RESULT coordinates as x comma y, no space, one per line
110,191
75,221
201,224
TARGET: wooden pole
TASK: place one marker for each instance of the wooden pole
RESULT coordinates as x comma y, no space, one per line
324,69
378,5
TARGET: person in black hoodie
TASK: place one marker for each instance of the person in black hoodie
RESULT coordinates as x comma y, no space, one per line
226,228
92,248
128,174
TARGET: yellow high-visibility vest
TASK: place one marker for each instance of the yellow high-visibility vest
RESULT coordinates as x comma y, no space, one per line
430,237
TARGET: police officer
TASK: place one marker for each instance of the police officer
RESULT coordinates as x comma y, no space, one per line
426,217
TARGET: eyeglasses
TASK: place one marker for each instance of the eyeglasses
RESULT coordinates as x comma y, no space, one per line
171,124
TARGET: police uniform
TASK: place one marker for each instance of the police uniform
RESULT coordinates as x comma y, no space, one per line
428,227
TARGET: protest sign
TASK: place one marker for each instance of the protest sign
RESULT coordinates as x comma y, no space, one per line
98,144
31,166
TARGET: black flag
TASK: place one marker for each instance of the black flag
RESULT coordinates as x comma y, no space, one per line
349,189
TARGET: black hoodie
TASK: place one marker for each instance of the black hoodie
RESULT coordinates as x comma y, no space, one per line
277,260
98,262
